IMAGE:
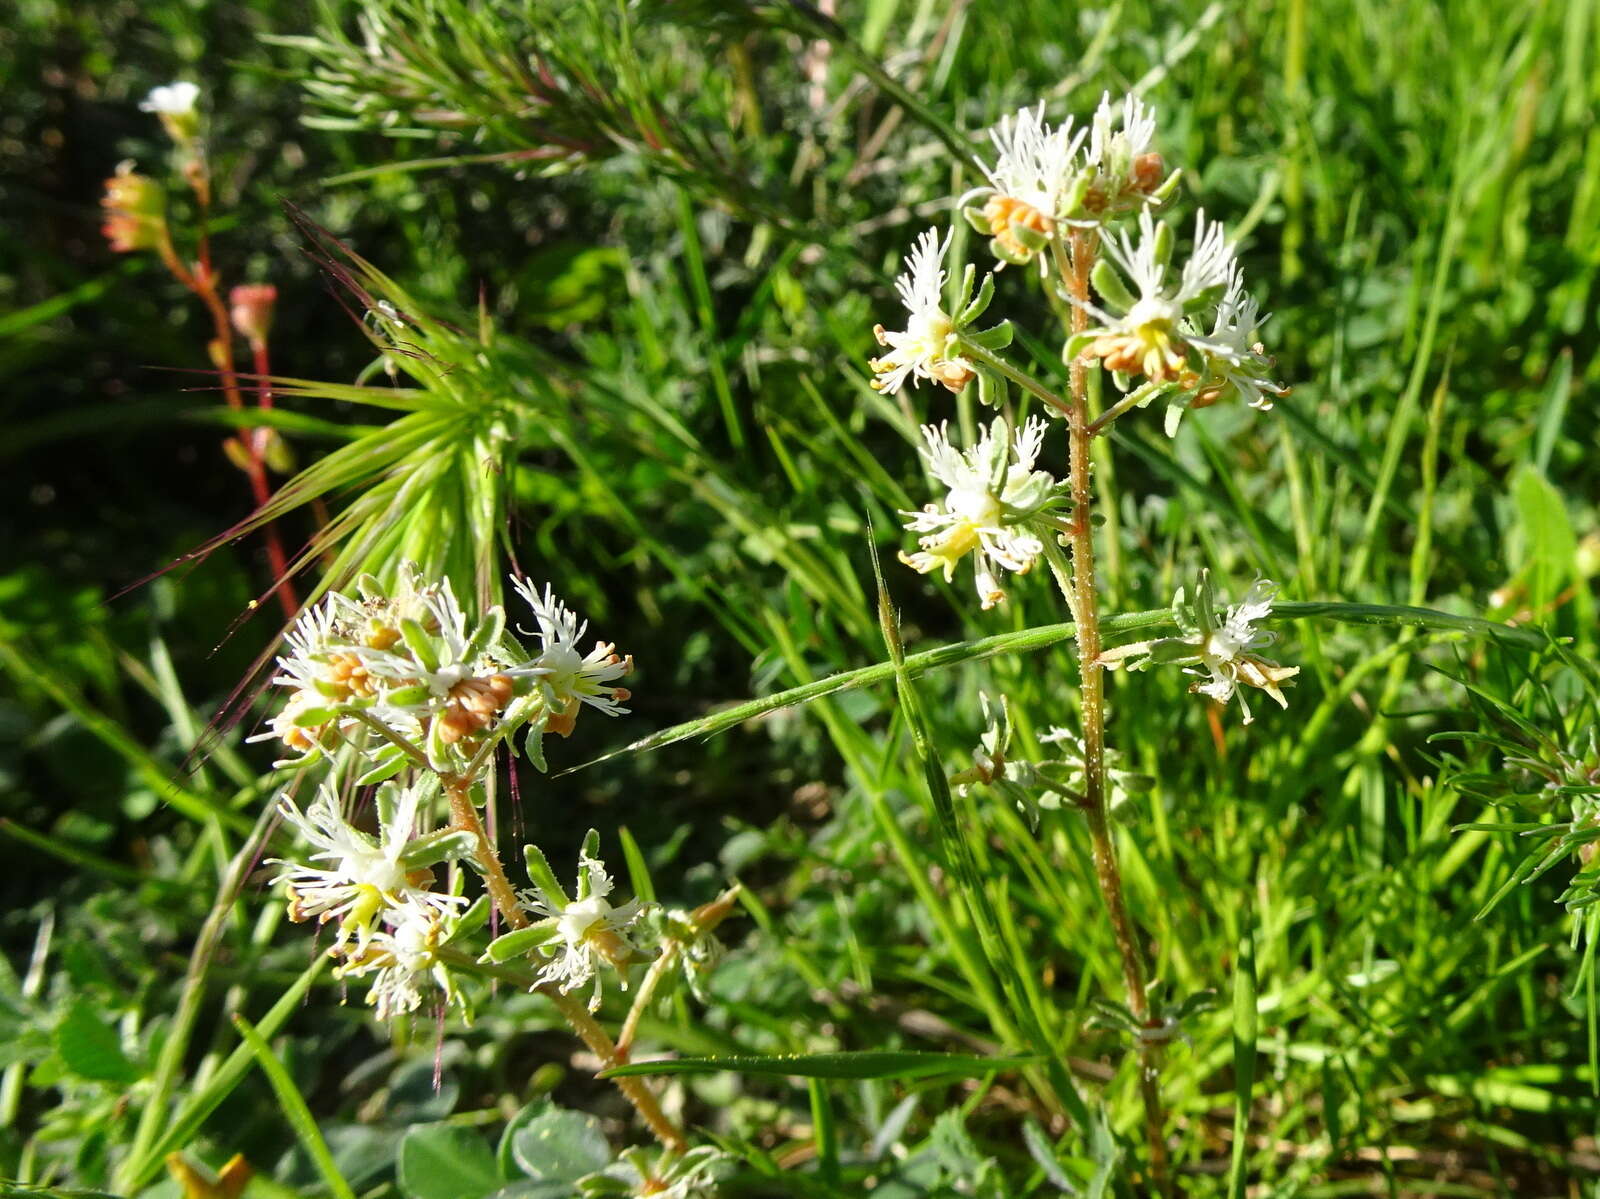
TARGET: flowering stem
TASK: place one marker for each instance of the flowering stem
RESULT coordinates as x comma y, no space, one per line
1086,613
202,282
1021,378
464,815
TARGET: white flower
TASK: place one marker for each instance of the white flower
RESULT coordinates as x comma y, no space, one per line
1121,171
920,352
364,877
1236,362
568,678
172,100
401,962
993,505
1150,337
1227,651
1031,185
1119,134
590,930
1224,651
1034,162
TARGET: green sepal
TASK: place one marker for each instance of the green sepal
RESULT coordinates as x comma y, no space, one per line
978,303
1072,202
1205,301
1122,380
489,631
975,218
590,850
1006,254
1109,284
997,338
520,941
969,276
311,717
533,748
1174,417
1031,239
1168,186
387,801
391,761
441,845
438,749
331,690
405,697
541,876
470,921
1163,247
991,388
1076,345
1205,608
420,645
370,588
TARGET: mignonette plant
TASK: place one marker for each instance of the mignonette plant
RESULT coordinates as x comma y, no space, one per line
395,688
1083,205
402,700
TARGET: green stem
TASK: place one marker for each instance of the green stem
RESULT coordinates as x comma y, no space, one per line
1136,398
155,1117
418,758
1021,378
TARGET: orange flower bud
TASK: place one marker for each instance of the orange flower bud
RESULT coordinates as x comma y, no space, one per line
250,307
135,210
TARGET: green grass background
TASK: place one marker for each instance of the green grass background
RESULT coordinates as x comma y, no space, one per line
671,422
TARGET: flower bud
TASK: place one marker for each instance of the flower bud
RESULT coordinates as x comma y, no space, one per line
707,916
175,105
135,210
1148,172
250,307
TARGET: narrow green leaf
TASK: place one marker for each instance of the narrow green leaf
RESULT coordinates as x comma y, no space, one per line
200,1105
1244,1059
864,1064
294,1108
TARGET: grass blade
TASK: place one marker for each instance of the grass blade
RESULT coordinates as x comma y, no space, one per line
294,1108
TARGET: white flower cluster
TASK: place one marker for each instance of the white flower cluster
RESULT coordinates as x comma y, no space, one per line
377,890
997,506
406,665
1043,177
1152,320
401,680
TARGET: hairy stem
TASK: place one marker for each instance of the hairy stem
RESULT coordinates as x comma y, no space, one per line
464,815
646,992
1086,612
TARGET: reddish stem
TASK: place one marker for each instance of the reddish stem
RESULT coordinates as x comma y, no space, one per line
202,282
